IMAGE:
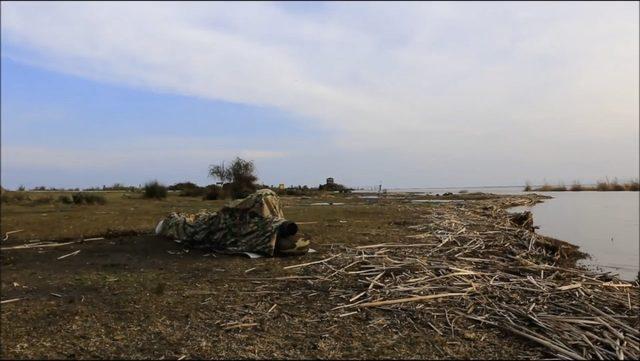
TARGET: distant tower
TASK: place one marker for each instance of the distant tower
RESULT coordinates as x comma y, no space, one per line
330,180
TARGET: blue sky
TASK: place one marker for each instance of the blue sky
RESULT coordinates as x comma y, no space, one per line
49,110
407,94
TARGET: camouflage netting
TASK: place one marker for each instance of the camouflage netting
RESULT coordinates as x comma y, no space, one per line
253,224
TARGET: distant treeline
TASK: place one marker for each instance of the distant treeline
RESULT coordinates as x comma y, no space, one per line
152,190
114,187
77,198
600,186
190,189
237,179
216,191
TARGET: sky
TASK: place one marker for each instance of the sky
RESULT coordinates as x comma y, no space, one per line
428,94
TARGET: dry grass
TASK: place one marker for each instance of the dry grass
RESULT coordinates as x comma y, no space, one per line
601,186
499,281
615,186
122,211
576,187
146,297
551,188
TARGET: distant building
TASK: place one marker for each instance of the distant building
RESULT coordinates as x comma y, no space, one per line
332,186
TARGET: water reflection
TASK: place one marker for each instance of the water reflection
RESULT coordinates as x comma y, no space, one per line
604,225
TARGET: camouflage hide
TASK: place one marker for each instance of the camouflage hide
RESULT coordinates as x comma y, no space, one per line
245,225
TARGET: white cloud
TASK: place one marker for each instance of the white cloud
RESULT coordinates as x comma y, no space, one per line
418,80
185,153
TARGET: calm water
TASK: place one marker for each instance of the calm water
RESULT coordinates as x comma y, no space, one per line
604,224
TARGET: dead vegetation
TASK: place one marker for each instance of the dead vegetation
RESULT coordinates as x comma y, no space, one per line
601,186
391,279
487,270
31,199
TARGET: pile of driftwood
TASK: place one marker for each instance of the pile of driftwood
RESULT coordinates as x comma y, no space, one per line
472,261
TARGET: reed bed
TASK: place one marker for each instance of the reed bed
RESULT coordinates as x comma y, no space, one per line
600,186
470,262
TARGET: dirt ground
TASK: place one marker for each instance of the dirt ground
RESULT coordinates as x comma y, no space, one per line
142,296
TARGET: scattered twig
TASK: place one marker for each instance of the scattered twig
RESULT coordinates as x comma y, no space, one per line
10,300
310,263
409,299
241,325
6,235
70,254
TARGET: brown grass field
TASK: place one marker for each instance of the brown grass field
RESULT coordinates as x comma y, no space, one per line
135,295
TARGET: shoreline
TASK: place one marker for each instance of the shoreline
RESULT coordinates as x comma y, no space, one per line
578,191
616,259
577,187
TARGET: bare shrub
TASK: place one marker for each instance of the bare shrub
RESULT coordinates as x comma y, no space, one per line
576,187
154,190
240,175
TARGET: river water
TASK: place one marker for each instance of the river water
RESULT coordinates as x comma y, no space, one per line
603,224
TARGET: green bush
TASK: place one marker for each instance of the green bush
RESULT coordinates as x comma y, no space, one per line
155,190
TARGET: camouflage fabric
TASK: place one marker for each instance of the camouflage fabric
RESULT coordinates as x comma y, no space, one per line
251,224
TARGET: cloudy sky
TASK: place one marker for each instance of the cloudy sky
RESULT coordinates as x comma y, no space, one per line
407,94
